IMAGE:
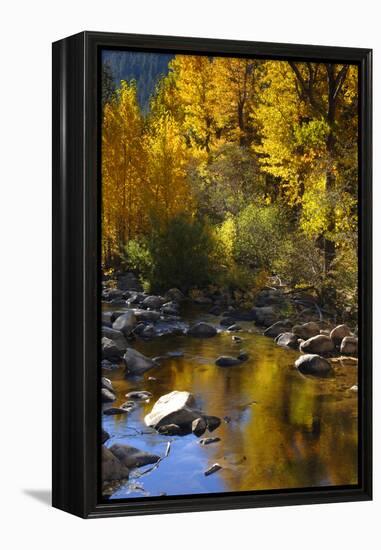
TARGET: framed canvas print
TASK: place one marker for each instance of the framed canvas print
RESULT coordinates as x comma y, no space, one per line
212,274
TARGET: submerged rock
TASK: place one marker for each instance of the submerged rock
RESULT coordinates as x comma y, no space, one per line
212,422
130,457
136,362
313,364
318,344
228,361
202,330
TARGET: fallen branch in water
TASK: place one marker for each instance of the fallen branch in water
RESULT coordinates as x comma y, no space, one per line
156,465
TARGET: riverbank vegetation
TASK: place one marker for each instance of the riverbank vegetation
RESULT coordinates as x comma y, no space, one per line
239,170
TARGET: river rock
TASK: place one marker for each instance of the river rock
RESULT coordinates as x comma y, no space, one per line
106,383
148,332
174,294
105,436
115,410
139,395
136,362
107,396
278,328
227,361
153,302
130,457
213,469
112,468
145,315
264,316
170,429
116,336
212,422
125,323
110,350
129,406
209,440
199,426
202,330
307,330
313,364
338,333
173,408
108,365
113,294
288,340
318,344
234,328
349,345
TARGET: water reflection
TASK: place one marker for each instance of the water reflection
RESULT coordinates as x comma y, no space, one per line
281,430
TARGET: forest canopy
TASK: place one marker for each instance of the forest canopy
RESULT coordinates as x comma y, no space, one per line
239,169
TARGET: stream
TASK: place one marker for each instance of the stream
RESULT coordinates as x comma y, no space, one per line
279,429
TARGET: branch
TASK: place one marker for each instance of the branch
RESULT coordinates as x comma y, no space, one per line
307,89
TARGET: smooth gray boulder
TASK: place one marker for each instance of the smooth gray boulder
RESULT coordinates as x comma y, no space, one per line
173,408
112,468
125,322
313,364
106,383
130,457
202,330
349,345
338,333
318,344
136,362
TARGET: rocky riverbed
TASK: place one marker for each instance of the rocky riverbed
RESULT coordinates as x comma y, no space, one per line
203,395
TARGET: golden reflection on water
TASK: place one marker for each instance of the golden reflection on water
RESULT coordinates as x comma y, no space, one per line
281,429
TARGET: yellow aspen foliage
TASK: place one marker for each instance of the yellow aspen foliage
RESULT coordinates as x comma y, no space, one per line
167,158
123,170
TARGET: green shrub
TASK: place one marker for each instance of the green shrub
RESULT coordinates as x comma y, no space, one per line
180,250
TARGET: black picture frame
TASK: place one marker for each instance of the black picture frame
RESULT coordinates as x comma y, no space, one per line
76,270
